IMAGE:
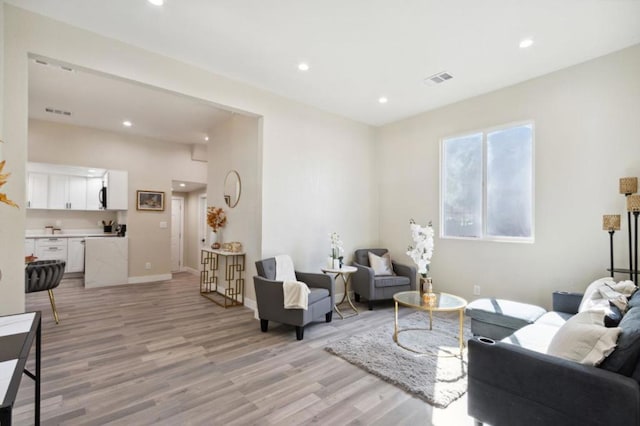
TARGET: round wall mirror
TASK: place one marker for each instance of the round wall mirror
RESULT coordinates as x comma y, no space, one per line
232,188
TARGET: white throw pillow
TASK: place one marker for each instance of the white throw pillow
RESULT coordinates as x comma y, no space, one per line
381,265
584,339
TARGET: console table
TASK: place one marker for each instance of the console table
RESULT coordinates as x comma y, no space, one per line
17,333
232,292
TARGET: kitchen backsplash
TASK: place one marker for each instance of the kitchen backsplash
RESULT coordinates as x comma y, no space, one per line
63,219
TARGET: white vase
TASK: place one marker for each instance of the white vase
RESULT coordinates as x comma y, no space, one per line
336,263
213,238
330,262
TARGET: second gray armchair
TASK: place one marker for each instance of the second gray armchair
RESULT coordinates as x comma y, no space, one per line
365,283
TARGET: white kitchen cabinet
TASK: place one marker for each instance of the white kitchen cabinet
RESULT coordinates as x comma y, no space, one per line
93,191
67,192
75,255
29,247
52,249
117,183
38,190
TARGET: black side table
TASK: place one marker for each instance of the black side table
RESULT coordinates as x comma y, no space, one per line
17,333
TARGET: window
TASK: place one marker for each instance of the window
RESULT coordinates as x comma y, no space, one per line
487,184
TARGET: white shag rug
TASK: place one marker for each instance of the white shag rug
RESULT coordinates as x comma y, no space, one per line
438,380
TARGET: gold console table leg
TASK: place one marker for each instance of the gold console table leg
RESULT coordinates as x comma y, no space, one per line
234,265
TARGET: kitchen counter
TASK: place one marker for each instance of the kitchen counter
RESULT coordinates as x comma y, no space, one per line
70,233
73,235
106,262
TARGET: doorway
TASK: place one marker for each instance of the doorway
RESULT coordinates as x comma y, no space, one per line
177,232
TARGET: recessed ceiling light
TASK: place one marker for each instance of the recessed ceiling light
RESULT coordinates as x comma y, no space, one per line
527,42
183,185
383,100
303,66
206,138
156,2
127,123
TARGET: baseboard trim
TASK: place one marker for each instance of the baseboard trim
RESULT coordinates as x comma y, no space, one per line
190,270
149,278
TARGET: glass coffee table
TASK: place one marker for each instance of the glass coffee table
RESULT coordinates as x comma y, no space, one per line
443,302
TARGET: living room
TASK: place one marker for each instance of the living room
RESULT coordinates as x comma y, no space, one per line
318,172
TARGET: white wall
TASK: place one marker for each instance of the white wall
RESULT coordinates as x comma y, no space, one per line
315,171
587,136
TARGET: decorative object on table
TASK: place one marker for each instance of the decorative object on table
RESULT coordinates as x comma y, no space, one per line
633,206
611,223
437,380
336,251
628,186
232,247
429,297
232,188
422,252
150,201
216,219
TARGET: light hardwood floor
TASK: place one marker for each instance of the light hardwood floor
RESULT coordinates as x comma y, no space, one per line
161,354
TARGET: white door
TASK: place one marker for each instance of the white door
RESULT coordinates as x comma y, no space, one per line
177,225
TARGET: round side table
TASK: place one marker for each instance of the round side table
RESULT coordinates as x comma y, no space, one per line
345,273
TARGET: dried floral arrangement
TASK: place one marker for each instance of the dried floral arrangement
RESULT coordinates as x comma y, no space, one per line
216,218
3,179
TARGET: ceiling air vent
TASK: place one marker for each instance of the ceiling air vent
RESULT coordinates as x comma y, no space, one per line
58,111
438,78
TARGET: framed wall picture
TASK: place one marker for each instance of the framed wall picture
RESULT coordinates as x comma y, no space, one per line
150,201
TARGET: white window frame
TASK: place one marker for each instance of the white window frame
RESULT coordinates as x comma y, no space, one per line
484,236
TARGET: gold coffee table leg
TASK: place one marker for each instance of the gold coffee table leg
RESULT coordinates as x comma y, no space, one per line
395,326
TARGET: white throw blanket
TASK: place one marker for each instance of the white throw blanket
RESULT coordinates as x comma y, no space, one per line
600,292
296,293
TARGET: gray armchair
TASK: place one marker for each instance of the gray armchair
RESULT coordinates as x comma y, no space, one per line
44,275
270,298
366,284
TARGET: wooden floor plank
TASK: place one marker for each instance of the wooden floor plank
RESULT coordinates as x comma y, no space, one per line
160,354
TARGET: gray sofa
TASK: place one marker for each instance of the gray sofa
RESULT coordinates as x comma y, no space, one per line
270,298
512,384
379,287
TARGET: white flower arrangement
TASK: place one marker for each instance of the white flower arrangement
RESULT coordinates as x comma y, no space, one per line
336,245
423,250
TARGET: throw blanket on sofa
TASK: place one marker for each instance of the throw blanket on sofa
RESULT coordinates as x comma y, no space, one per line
600,292
296,293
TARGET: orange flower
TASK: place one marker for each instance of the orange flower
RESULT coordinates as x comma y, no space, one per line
3,180
216,218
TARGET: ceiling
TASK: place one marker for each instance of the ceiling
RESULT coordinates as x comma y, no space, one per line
88,99
361,50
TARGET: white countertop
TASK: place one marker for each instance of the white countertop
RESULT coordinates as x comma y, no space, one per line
69,233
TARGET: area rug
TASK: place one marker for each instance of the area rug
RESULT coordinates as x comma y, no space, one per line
438,380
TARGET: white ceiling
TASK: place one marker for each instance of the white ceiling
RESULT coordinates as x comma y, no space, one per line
360,50
104,103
